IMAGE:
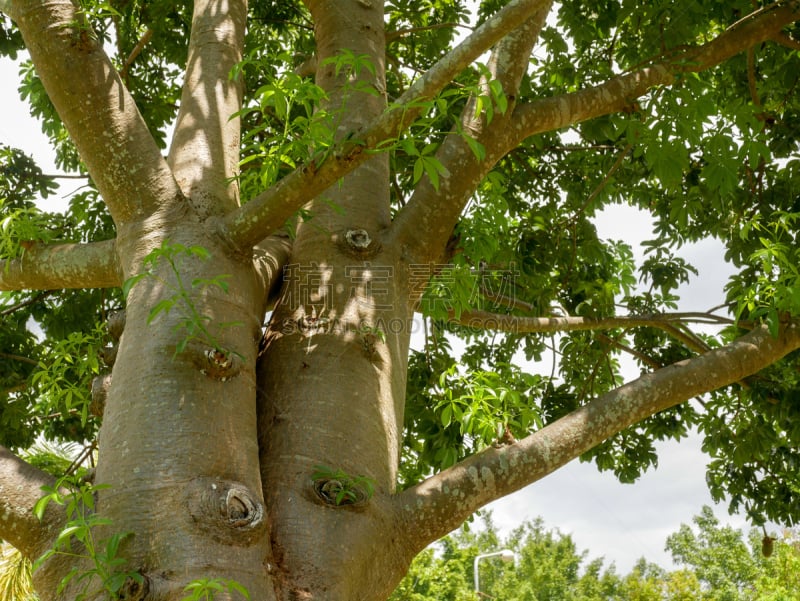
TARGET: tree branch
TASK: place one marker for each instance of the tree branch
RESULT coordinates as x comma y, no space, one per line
514,324
269,210
784,39
103,121
755,28
553,113
436,210
92,265
33,299
20,488
391,36
137,50
19,358
442,502
204,153
619,92
7,8
270,256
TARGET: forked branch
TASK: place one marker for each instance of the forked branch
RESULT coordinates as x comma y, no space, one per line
550,114
436,209
619,92
270,209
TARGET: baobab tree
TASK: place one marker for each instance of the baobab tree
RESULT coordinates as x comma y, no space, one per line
260,226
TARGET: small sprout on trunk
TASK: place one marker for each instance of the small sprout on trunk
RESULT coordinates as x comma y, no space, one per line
370,338
337,487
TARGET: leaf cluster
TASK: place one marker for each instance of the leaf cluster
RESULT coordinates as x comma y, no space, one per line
206,589
79,540
341,488
193,325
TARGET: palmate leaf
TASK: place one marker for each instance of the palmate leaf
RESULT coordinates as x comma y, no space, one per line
431,167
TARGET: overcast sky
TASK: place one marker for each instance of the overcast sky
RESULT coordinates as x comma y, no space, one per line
616,521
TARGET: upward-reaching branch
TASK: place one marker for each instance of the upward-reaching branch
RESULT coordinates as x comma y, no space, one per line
103,121
436,210
618,93
442,502
204,153
269,210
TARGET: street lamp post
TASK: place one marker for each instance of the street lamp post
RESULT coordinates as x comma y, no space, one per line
506,555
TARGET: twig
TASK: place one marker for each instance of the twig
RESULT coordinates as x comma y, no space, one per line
506,301
751,76
123,73
66,176
617,164
30,301
391,36
17,388
631,351
19,358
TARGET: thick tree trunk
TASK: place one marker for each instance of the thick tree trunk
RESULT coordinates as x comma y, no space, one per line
332,384
178,443
332,376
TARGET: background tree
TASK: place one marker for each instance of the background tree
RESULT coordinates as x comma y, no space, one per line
548,566
717,555
716,563
729,567
347,164
779,576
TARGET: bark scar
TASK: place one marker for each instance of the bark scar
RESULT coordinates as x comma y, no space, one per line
358,243
228,511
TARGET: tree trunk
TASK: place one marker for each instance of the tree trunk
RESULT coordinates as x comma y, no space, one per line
332,376
178,443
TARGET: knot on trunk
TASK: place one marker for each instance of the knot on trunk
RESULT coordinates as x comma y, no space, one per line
357,242
340,489
116,324
100,387
133,590
215,363
228,511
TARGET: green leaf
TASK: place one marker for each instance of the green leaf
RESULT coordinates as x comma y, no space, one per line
162,306
446,416
235,586
476,147
498,95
